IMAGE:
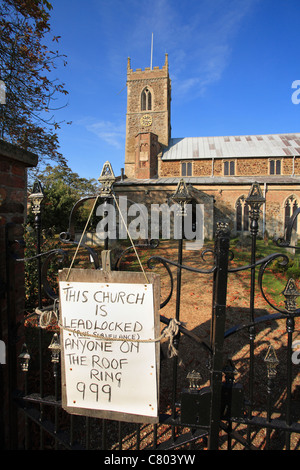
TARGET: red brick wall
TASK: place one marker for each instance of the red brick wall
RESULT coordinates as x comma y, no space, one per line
146,148
13,195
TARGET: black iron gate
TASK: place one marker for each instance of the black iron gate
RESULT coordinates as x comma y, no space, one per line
196,416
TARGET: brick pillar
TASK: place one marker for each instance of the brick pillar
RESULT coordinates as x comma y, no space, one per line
13,200
147,149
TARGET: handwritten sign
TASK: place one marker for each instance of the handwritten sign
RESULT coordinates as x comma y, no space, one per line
110,361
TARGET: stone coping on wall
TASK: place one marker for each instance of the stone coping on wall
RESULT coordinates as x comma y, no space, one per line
13,152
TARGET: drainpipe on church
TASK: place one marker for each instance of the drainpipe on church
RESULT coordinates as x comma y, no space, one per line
293,174
264,210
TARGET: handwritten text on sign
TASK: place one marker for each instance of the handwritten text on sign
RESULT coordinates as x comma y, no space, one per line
116,373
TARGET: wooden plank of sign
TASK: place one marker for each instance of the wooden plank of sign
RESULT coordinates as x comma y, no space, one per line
116,277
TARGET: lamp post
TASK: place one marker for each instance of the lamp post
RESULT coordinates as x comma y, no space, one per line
254,200
55,348
24,358
36,197
180,197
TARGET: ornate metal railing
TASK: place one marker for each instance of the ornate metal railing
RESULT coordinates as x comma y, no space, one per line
205,411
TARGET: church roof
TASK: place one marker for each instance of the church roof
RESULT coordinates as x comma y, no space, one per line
279,180
272,145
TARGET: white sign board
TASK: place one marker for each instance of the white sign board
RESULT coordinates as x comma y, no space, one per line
109,356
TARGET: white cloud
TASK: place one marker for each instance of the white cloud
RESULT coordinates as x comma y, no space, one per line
198,35
109,132
201,47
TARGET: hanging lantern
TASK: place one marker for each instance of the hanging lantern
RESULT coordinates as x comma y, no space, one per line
36,197
181,195
55,348
24,358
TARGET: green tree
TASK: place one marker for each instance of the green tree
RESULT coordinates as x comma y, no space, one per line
62,189
26,72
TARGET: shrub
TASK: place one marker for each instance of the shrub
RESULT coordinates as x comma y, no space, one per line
293,269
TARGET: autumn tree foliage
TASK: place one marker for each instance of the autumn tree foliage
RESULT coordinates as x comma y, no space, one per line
27,66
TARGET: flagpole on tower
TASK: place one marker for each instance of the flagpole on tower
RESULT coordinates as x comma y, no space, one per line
151,52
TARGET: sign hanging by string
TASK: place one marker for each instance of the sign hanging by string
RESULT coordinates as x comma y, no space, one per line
110,354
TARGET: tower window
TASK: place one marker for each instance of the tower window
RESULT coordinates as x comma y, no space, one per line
275,167
146,100
186,169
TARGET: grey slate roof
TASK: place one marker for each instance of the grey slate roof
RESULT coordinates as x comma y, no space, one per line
272,145
211,180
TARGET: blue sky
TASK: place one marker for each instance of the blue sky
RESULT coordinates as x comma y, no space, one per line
232,64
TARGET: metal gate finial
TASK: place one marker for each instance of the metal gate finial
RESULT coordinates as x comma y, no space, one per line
107,179
271,361
291,293
255,199
182,195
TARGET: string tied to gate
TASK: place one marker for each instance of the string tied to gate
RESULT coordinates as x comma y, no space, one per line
169,332
47,314
128,233
81,238
130,238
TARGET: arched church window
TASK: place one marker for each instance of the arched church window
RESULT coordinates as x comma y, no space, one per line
146,100
242,215
291,205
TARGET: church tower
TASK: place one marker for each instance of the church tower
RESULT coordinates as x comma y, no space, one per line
148,119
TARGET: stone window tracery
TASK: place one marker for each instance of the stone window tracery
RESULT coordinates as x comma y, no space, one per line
242,215
146,100
291,205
